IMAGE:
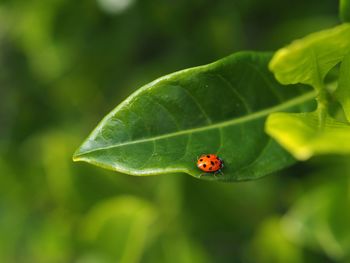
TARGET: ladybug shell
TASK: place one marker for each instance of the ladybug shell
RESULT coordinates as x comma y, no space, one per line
209,163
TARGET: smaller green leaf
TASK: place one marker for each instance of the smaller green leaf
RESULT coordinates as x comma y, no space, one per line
301,135
345,10
309,59
343,92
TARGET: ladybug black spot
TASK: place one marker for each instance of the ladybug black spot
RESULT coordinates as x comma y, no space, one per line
201,160
212,163
208,156
210,168
204,165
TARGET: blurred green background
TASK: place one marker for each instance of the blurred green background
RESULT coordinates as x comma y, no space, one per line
65,64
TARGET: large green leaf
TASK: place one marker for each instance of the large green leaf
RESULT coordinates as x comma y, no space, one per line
343,91
309,59
217,108
301,135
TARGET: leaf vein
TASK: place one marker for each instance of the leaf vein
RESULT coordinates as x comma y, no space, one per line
167,111
256,115
234,90
198,105
267,81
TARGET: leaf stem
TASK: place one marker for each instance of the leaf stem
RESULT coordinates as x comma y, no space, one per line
322,104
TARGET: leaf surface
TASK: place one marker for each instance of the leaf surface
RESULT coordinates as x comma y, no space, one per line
217,108
309,59
343,91
301,135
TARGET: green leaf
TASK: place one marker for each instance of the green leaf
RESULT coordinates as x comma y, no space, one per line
345,10
343,91
309,59
271,245
217,108
301,135
119,227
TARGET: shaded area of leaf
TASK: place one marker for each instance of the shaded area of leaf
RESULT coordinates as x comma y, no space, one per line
218,108
301,135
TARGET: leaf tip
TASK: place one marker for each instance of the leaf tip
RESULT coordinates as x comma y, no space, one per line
75,158
77,155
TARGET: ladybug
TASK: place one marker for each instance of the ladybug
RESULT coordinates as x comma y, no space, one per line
210,163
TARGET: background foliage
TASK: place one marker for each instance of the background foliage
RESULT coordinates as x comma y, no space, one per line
65,64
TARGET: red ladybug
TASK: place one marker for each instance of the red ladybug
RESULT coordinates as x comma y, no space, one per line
210,163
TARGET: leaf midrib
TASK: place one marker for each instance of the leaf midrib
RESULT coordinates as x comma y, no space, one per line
256,115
